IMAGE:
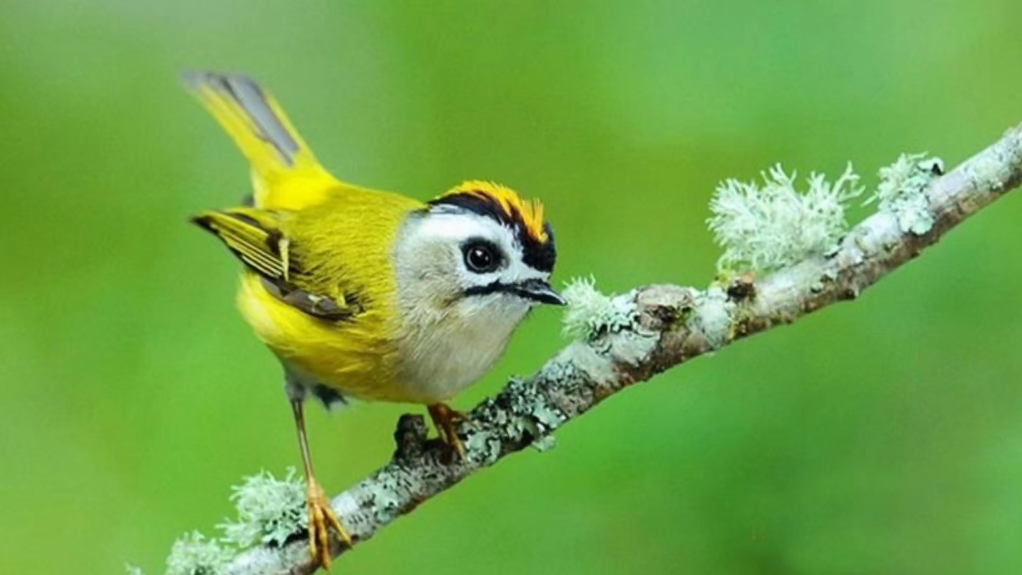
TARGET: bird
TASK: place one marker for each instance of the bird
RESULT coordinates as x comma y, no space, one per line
365,294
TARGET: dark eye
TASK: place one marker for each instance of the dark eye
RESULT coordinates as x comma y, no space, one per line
481,257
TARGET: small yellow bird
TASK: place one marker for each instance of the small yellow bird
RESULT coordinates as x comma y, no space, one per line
367,294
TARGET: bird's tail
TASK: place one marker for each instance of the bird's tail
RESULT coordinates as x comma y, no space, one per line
285,173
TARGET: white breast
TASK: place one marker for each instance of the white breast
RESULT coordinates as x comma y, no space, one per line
444,353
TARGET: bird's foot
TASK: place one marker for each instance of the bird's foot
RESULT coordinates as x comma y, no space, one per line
321,519
445,419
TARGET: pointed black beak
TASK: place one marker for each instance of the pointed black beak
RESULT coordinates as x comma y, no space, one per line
539,290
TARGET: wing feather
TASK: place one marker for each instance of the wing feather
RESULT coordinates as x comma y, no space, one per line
252,236
255,237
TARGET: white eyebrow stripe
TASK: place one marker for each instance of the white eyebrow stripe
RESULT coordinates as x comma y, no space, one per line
460,225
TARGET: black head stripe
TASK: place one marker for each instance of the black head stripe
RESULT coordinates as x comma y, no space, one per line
537,254
544,255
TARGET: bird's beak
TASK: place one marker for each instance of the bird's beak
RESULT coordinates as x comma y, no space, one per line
539,290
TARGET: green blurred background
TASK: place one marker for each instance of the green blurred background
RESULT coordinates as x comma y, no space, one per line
879,437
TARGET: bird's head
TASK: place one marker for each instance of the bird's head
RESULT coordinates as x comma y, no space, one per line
478,247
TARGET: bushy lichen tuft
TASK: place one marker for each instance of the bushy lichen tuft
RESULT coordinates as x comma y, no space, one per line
902,191
269,510
764,227
590,313
133,570
193,554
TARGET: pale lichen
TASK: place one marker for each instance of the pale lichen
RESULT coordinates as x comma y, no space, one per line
533,414
265,561
547,417
584,359
768,226
713,316
591,313
902,191
269,510
484,447
387,493
194,554
345,504
544,443
133,570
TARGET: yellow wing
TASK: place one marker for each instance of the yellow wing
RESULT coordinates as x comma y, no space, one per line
285,173
257,238
253,235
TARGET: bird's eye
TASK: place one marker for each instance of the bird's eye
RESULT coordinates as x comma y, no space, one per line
481,257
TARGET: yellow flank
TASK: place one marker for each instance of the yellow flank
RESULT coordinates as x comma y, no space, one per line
530,210
305,232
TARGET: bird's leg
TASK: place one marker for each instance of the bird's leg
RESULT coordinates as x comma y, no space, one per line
321,514
444,419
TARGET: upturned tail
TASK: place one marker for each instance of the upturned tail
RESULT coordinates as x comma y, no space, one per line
285,173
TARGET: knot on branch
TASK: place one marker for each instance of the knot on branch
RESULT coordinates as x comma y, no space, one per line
410,437
662,306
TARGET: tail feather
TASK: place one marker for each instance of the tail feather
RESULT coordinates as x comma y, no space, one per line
285,172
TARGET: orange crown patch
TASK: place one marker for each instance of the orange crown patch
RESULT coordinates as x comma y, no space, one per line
528,212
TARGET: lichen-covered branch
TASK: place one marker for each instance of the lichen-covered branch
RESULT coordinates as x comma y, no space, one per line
632,337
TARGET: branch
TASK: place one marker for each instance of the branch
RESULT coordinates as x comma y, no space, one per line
664,326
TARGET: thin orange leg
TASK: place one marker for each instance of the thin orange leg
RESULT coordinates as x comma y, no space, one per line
321,514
